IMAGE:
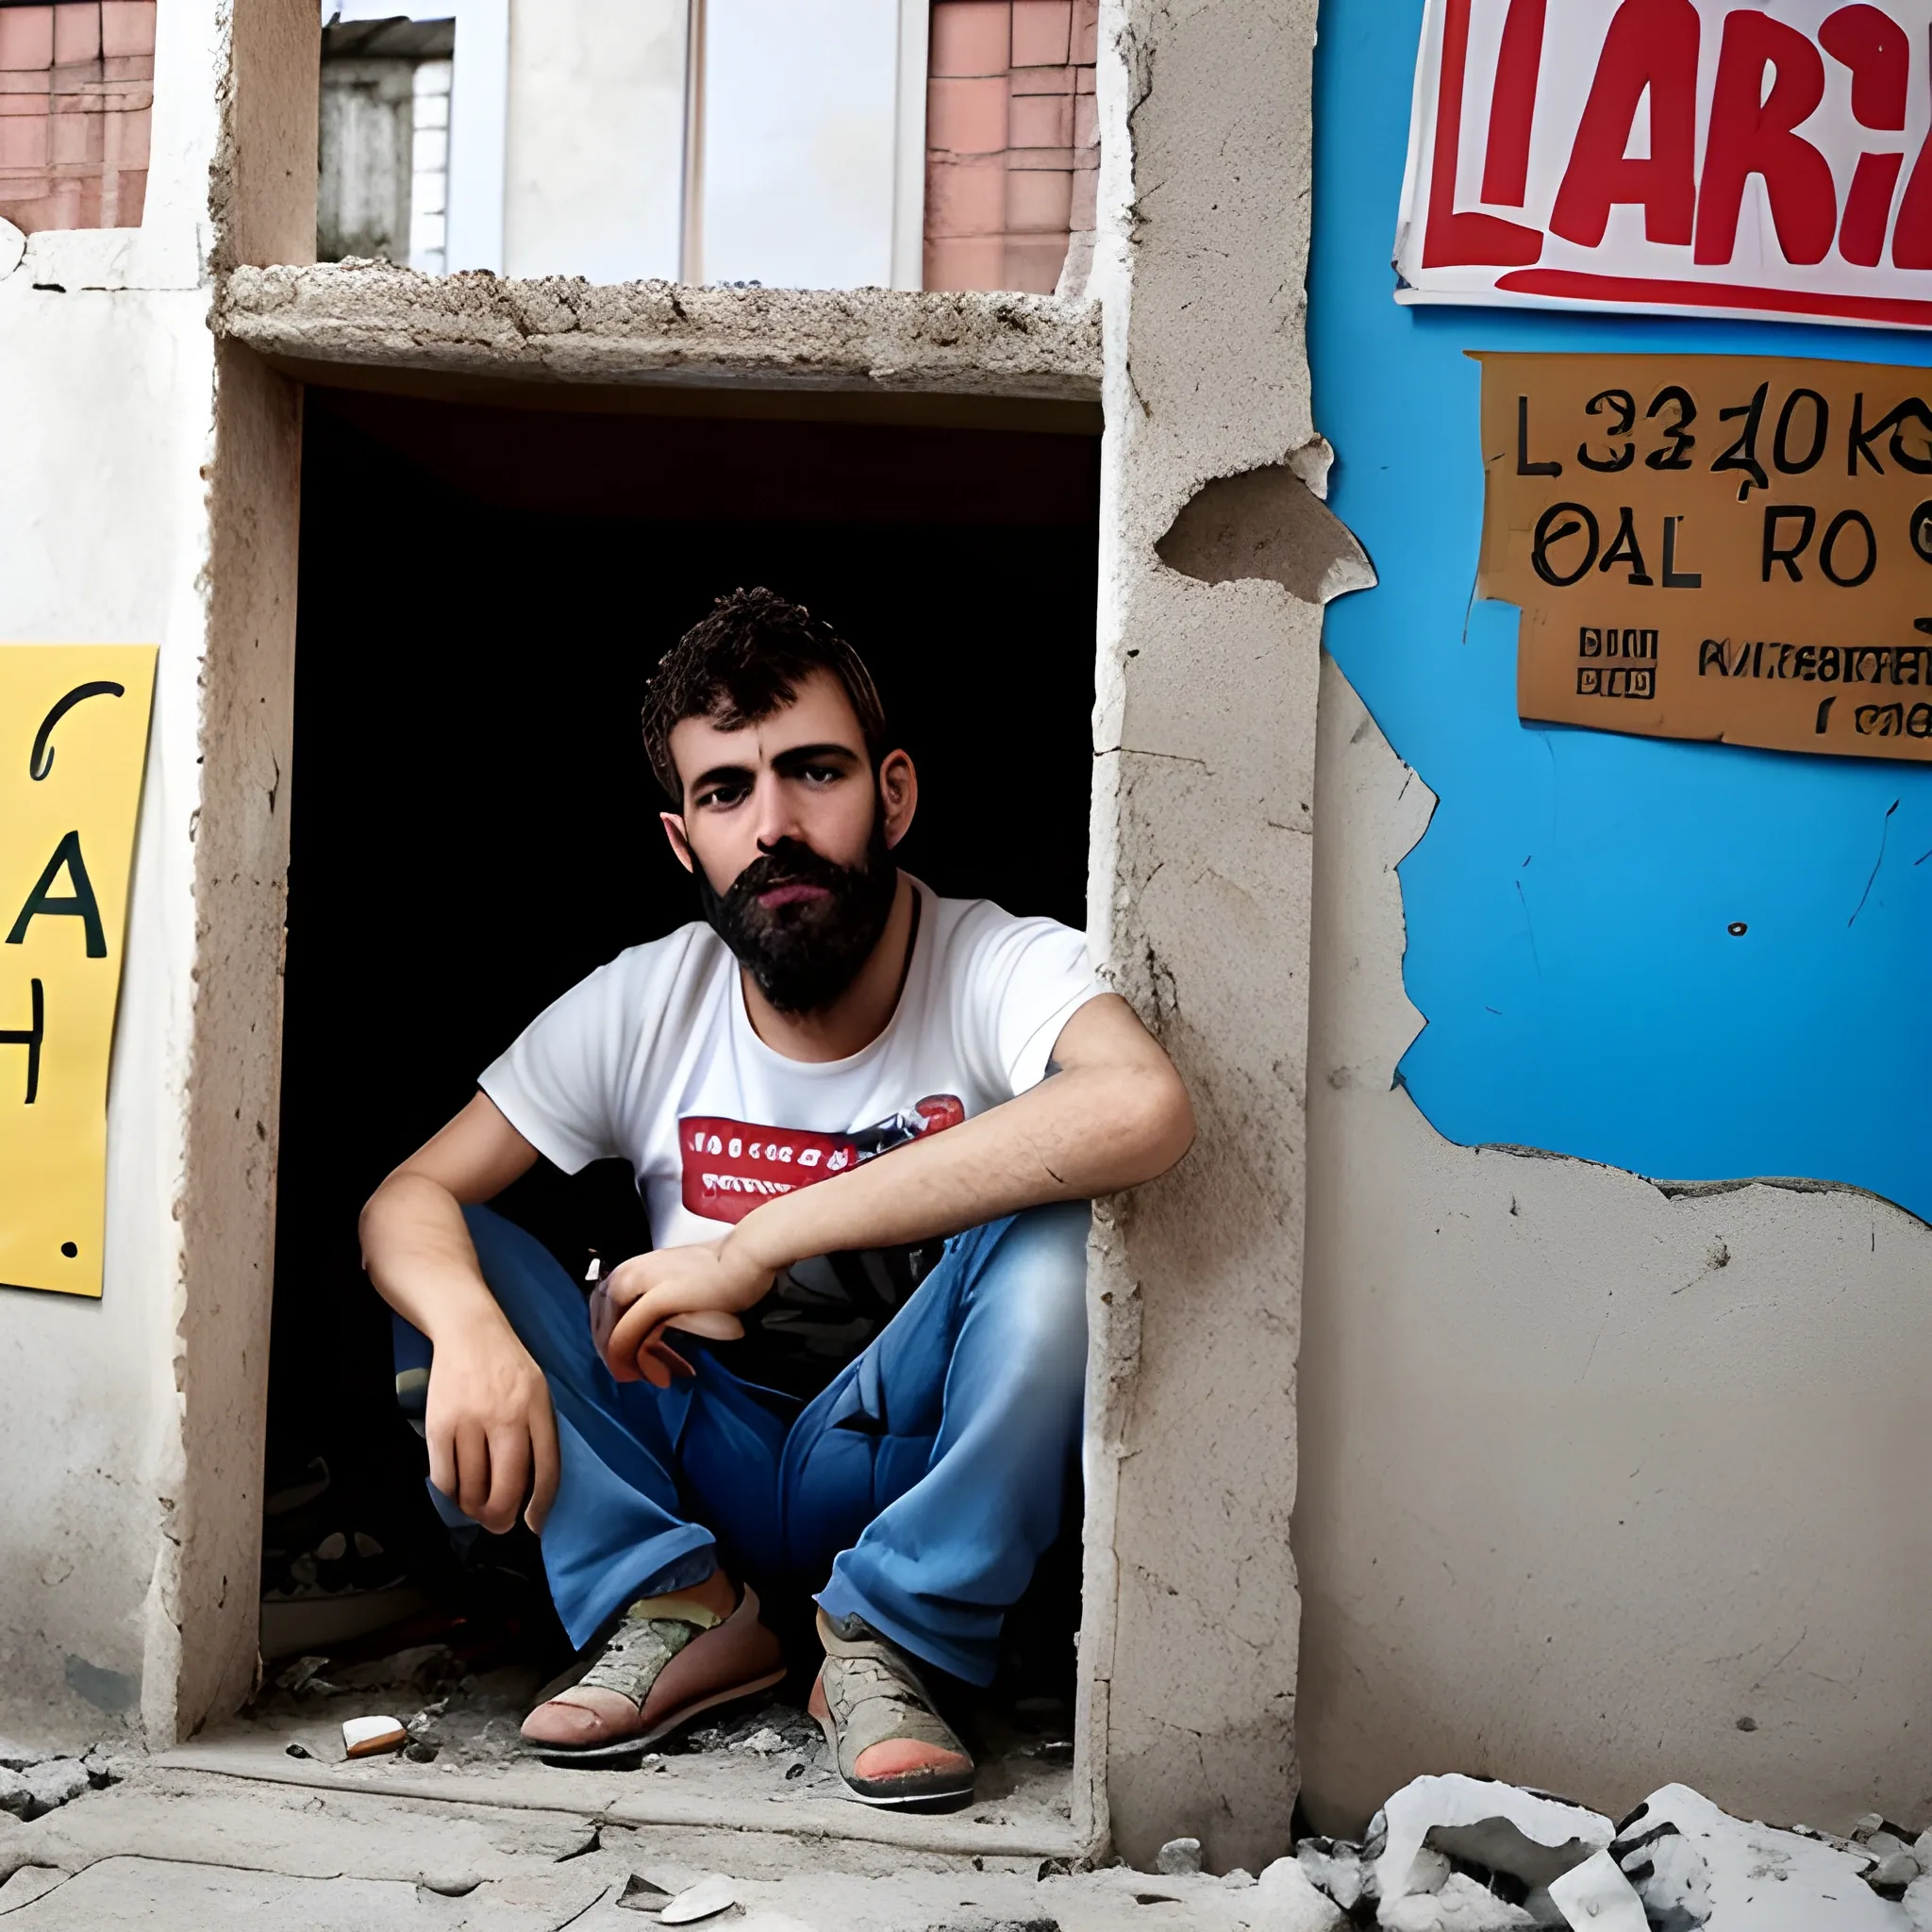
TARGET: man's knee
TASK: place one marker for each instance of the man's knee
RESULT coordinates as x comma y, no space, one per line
1032,1279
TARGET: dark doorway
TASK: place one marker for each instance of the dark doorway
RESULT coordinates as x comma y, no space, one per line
484,593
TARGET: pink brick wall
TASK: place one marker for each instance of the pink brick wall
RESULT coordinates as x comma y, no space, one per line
76,96
1012,140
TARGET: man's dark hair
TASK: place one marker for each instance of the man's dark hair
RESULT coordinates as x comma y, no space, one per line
742,663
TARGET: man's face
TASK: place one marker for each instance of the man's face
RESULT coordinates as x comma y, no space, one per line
788,837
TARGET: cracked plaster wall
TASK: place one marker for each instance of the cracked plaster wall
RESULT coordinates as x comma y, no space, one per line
1205,732
127,1585
1603,1484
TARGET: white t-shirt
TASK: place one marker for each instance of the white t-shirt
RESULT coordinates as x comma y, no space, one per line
653,1059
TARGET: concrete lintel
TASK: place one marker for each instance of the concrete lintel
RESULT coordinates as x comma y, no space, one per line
563,331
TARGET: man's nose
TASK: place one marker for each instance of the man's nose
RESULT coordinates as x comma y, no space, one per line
775,816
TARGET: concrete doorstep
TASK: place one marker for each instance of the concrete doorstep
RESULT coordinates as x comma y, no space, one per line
175,1846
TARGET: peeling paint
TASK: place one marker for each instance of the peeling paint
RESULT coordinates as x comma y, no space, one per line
1266,523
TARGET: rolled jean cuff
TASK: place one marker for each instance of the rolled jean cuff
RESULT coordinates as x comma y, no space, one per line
976,1665
682,1572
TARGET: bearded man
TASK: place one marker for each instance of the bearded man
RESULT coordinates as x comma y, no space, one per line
857,1350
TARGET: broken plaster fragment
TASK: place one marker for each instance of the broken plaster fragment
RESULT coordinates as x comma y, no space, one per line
1288,1901
53,1783
1893,1871
1597,1895
1693,1864
1502,1828
1460,1906
1333,1867
640,1895
1178,1855
712,1894
1266,523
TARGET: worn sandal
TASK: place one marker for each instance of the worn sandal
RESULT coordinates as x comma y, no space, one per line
889,1742
668,1660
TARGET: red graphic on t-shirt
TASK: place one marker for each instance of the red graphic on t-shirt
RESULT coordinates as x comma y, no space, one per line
731,1166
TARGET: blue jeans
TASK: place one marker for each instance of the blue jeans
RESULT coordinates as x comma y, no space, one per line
930,1477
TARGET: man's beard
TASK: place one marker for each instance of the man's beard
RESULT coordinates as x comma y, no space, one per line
804,955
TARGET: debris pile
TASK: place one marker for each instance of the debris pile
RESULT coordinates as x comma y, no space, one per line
1458,1853
33,1783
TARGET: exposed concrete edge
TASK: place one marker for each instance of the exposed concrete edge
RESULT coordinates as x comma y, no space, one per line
565,330
1700,1189
617,1799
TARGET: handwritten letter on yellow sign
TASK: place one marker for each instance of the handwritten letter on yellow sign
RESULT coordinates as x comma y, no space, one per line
1724,547
73,743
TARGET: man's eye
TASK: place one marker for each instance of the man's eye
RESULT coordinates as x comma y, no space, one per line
722,795
820,775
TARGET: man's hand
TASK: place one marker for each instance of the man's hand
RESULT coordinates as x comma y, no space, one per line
701,1290
492,1436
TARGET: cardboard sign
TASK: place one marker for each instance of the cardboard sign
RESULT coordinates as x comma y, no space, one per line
1735,548
1727,157
73,745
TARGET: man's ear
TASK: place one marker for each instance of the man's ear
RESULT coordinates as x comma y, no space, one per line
673,830
898,794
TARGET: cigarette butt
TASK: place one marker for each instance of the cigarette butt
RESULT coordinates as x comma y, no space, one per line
369,1737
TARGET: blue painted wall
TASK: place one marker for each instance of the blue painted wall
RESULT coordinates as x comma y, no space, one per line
1568,907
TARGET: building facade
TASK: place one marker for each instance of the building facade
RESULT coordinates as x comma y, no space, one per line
1599,1455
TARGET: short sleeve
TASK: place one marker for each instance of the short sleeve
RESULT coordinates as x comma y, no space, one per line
554,1085
1025,979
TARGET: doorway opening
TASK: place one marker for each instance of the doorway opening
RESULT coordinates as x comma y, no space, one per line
485,590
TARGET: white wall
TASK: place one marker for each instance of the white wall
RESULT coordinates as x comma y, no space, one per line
107,399
107,391
112,1568
595,173
800,142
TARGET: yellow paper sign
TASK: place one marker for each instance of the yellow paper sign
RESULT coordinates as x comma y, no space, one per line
73,745
1724,547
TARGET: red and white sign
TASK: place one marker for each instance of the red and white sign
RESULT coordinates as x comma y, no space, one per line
1716,156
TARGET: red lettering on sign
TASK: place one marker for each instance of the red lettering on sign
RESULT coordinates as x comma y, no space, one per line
1650,49
1752,132
1512,107
1873,45
1911,240
1454,239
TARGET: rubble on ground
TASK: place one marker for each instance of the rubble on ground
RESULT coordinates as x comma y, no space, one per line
32,1782
1457,1854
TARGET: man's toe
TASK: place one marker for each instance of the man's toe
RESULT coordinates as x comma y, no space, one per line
910,1757
581,1717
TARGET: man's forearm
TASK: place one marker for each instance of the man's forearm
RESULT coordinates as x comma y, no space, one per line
419,1254
1086,1132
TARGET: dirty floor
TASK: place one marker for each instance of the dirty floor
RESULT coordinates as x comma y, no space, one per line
234,1833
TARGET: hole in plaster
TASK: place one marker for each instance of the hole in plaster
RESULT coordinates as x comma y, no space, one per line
484,593
1266,523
